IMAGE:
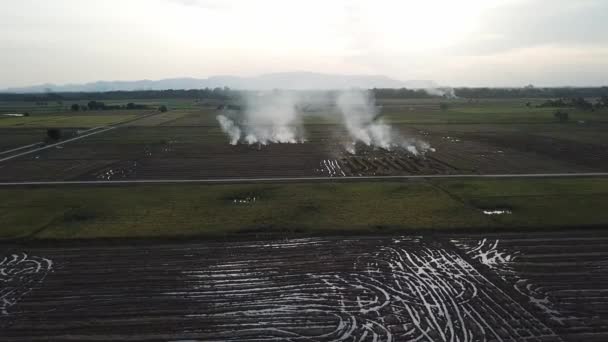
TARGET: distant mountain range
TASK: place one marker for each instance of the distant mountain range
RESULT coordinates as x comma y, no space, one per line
287,80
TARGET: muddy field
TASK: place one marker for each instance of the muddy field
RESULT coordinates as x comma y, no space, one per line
564,277
455,288
178,152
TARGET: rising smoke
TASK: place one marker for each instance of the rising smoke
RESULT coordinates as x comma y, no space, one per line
446,92
230,128
362,119
267,118
276,117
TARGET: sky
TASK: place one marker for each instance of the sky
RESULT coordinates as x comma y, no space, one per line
456,43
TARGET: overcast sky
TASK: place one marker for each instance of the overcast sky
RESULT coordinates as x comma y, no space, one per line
454,42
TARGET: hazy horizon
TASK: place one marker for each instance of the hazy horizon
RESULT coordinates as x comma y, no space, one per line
495,43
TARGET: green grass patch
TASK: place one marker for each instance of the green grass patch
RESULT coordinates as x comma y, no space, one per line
65,120
537,202
472,188
486,114
315,208
217,210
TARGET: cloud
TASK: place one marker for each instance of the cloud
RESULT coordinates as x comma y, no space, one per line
406,39
526,24
547,65
207,4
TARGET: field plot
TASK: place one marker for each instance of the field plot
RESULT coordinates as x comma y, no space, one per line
67,120
15,138
585,154
564,278
160,119
365,289
179,152
489,137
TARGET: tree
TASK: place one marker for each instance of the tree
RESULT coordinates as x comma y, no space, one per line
444,106
163,109
75,107
94,105
54,134
581,103
602,102
561,116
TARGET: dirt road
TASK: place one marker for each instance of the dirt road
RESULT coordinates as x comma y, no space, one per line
307,179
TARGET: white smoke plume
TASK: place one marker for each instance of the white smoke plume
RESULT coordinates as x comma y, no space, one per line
267,118
275,117
446,92
362,119
230,128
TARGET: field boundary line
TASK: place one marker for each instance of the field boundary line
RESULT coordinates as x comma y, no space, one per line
305,179
95,130
21,148
42,142
57,144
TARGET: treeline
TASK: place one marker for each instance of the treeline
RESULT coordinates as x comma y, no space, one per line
217,93
530,92
403,93
493,93
96,105
578,102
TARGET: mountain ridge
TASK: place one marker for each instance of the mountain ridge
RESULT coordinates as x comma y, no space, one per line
281,80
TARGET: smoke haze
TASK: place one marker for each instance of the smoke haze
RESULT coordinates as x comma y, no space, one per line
361,117
446,92
276,117
230,128
268,117
272,118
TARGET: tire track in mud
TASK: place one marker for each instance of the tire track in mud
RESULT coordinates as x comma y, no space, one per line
19,274
356,289
564,279
432,295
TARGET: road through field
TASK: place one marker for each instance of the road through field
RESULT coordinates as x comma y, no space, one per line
46,147
84,134
307,179
21,148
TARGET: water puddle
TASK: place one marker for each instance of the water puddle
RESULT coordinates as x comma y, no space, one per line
118,173
451,139
332,168
495,212
246,200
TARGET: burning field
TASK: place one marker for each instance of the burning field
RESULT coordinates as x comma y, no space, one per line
365,289
282,134
363,142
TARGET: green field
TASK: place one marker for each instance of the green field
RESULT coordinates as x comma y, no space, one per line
64,120
189,131
426,111
500,112
314,208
